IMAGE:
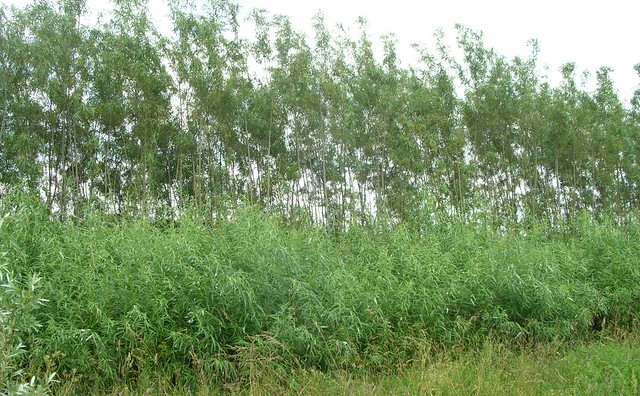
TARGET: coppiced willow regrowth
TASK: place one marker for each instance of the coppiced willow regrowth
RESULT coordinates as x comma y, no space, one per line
115,115
132,303
236,199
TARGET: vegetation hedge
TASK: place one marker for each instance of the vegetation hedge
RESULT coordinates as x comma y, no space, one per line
130,296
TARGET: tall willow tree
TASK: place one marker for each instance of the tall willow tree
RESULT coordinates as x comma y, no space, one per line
608,139
333,164
489,116
132,101
212,76
324,127
292,79
631,153
369,137
267,118
21,129
531,101
50,114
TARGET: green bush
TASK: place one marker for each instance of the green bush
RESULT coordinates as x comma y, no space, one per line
18,306
131,300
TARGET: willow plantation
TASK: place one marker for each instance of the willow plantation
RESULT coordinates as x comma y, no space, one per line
206,207
119,117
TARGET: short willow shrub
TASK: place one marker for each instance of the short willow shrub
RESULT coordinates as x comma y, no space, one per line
17,307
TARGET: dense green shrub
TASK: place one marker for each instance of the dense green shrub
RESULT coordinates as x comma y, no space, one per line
18,305
128,297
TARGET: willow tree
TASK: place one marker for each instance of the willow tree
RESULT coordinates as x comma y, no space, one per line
631,155
444,175
211,72
609,145
291,78
267,117
366,89
532,100
49,89
489,114
21,128
131,98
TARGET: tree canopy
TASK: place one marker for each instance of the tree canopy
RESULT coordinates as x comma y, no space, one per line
118,116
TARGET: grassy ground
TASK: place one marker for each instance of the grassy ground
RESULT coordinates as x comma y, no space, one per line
605,367
610,368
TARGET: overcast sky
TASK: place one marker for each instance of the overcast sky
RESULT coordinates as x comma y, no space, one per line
590,33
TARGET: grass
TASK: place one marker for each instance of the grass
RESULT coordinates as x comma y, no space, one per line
604,367
607,367
225,305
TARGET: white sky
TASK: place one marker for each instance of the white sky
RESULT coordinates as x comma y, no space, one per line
590,33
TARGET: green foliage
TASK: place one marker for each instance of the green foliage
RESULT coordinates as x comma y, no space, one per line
201,203
600,368
18,305
330,128
190,299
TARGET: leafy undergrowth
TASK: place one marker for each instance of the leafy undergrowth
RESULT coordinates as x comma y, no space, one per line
196,302
605,367
599,368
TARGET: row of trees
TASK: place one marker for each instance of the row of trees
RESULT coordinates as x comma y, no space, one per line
116,114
